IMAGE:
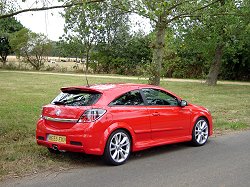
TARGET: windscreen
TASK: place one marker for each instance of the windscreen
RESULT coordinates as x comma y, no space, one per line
76,99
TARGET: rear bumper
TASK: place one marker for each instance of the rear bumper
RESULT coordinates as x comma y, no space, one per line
78,138
61,147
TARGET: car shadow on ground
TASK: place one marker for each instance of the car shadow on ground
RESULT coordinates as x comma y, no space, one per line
83,160
159,150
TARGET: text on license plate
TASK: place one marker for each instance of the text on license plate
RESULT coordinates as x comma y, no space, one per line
55,138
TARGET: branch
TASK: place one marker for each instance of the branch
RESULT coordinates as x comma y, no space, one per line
230,14
176,5
219,14
132,11
49,8
189,14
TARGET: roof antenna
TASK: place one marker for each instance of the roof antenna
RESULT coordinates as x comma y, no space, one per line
86,78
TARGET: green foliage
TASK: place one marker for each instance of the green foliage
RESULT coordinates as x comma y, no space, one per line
84,26
126,55
161,14
7,26
100,34
4,49
7,6
10,25
32,48
70,47
19,40
224,25
90,24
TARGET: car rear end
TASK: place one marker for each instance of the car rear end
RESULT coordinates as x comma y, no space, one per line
65,124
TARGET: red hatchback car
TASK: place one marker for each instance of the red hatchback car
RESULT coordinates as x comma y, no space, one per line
114,120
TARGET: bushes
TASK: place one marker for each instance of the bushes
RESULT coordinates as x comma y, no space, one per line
183,68
15,66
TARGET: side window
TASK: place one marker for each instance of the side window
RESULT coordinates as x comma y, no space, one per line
159,97
130,98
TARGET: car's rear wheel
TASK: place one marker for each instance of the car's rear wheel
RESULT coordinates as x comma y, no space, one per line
118,147
200,132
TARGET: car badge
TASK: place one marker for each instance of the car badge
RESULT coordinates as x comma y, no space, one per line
58,112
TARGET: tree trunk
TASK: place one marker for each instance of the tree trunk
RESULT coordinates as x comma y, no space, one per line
87,61
158,52
4,59
215,67
5,49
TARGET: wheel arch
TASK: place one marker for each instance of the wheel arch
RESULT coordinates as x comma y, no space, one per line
116,126
209,121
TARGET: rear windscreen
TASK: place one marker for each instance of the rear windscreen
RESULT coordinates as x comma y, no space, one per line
76,99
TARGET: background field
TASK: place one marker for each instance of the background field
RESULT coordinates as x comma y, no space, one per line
57,66
22,96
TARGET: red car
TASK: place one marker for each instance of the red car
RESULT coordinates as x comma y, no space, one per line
114,120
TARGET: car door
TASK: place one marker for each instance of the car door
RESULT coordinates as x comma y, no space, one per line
130,109
168,119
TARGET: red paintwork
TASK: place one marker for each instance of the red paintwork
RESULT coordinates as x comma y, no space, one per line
148,125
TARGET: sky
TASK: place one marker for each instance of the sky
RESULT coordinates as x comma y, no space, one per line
51,23
48,22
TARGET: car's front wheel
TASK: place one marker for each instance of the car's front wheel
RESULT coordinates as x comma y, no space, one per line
118,147
200,132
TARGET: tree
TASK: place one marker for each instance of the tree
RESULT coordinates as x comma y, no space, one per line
84,22
68,47
220,43
4,49
7,26
32,48
126,55
162,13
93,23
213,33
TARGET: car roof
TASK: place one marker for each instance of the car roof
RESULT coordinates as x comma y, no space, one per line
111,91
110,87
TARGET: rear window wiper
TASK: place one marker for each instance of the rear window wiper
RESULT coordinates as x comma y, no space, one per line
59,103
65,102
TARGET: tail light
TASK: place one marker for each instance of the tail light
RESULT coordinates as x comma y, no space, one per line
42,112
91,115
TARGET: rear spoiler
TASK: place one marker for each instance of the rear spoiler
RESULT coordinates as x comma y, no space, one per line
79,89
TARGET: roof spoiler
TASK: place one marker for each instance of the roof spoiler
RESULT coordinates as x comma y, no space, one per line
79,89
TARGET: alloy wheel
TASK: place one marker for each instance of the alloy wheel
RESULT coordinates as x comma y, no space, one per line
201,132
119,147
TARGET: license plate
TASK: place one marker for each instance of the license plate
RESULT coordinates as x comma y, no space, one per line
58,139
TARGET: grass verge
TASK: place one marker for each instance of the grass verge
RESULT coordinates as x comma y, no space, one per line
22,96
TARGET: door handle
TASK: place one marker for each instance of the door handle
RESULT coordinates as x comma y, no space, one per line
156,114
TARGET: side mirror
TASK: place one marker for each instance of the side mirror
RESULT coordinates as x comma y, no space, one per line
183,103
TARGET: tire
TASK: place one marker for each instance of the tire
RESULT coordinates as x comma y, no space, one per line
118,148
200,132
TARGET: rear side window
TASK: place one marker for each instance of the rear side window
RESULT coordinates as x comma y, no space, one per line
76,99
130,98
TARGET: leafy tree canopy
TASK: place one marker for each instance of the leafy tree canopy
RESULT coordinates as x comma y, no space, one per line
7,27
31,48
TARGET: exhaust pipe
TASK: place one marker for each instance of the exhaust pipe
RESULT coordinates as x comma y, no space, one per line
55,148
